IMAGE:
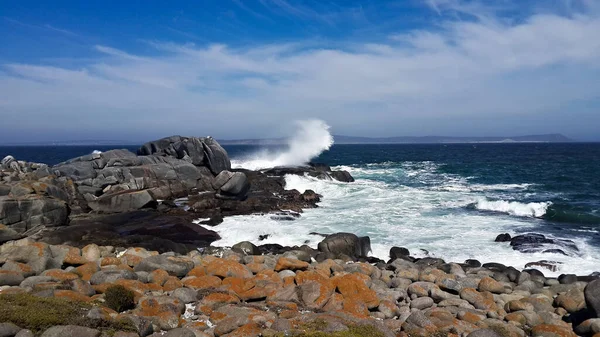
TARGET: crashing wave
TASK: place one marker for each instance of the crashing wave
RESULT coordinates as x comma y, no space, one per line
532,209
310,140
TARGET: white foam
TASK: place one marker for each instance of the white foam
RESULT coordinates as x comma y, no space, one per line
532,209
96,152
417,218
310,140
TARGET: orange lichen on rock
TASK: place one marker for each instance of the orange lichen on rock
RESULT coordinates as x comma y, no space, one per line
87,270
353,286
226,268
290,264
202,282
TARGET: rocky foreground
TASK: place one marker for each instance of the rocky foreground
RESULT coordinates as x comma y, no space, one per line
59,290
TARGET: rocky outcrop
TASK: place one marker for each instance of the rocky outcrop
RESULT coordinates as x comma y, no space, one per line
198,151
172,181
111,181
538,243
320,171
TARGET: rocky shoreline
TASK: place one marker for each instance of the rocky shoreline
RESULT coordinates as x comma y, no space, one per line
106,245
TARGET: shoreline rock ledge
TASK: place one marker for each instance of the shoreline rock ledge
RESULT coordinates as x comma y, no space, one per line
148,198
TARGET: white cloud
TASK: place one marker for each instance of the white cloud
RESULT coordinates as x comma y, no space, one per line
464,70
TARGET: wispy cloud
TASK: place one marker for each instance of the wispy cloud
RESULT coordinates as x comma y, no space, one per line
527,72
42,27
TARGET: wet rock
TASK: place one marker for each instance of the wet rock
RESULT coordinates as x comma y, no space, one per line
533,242
550,265
347,244
246,248
567,278
398,252
503,238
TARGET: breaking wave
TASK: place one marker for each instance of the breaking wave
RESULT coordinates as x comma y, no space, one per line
312,137
532,209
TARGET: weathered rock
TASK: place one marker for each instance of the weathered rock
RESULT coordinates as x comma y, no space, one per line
70,331
10,278
24,213
246,248
398,252
175,266
484,333
180,332
592,297
347,244
110,276
237,186
8,329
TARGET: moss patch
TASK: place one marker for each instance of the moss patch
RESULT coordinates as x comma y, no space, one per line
119,298
40,313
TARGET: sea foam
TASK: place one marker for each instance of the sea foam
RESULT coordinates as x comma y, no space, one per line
532,209
427,220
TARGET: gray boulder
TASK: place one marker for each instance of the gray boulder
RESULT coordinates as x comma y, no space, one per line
246,248
216,159
231,184
180,332
592,297
123,201
110,276
70,331
8,329
484,333
173,265
347,244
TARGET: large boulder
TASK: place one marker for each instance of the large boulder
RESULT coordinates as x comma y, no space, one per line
592,297
346,243
24,213
123,201
231,184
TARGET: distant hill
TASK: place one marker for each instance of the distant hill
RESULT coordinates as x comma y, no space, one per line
339,139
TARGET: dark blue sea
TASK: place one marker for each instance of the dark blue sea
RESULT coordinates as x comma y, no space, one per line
446,200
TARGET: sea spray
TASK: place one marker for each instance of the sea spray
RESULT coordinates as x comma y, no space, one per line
311,138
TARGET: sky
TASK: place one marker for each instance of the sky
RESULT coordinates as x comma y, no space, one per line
234,69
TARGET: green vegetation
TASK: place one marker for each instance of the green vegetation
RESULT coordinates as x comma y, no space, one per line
40,313
119,298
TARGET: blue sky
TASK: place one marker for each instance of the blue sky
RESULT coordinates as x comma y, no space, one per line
137,70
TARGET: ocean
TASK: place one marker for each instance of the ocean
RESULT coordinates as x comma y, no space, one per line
441,200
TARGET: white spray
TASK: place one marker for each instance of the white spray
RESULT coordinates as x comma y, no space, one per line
311,138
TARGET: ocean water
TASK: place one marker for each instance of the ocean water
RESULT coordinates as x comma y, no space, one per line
446,200
442,200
